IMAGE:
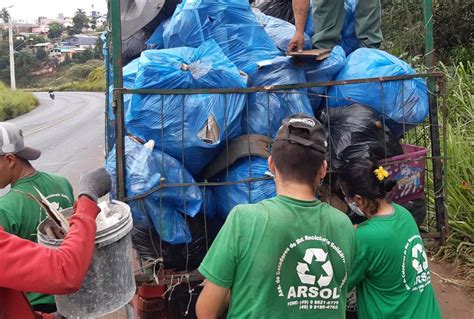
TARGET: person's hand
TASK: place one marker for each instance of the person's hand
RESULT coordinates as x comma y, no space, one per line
297,43
95,184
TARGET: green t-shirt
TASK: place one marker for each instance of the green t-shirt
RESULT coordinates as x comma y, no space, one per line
391,269
283,258
21,214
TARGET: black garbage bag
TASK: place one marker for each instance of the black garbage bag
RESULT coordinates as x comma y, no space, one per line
355,132
178,257
139,21
182,300
134,46
281,9
417,208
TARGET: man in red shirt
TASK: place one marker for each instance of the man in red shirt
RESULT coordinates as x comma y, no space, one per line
27,266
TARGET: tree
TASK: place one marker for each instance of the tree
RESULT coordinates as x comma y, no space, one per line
101,28
67,60
453,27
20,44
98,49
35,39
4,63
83,57
5,15
80,20
93,24
41,54
25,63
73,31
55,30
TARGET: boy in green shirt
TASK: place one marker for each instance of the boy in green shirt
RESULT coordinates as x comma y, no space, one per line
391,268
289,256
20,211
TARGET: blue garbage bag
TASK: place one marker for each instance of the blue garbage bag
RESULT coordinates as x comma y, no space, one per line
228,196
208,202
156,40
129,74
280,31
399,101
231,23
324,71
193,127
268,109
349,40
165,207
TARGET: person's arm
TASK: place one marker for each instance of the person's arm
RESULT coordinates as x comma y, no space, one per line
27,266
219,268
212,301
300,10
360,266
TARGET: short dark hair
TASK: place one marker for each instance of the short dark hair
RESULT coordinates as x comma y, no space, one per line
357,177
296,162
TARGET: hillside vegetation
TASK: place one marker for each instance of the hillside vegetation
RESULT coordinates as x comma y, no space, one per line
15,103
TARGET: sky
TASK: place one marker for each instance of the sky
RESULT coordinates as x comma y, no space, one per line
29,10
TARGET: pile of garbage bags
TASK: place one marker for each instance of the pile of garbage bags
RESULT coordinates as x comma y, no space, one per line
228,196
149,171
231,23
267,109
229,45
192,127
402,103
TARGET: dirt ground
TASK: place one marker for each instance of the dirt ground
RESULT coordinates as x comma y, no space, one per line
455,301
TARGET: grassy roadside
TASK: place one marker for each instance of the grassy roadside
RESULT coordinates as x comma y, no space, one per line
460,148
15,103
77,77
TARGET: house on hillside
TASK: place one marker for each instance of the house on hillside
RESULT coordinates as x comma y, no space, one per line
100,21
45,46
43,23
20,27
82,41
61,53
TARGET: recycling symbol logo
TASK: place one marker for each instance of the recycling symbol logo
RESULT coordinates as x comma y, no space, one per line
315,255
418,265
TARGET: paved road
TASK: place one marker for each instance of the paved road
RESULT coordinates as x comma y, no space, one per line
69,132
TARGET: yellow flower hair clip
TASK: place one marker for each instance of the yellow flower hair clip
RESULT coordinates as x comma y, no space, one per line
381,173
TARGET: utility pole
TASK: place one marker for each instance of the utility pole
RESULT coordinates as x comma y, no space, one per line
12,56
5,16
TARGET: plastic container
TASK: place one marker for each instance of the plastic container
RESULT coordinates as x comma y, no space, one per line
409,172
110,283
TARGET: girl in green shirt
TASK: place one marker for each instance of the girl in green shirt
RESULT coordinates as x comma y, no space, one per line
390,272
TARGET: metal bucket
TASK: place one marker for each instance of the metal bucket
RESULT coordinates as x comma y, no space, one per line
109,284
